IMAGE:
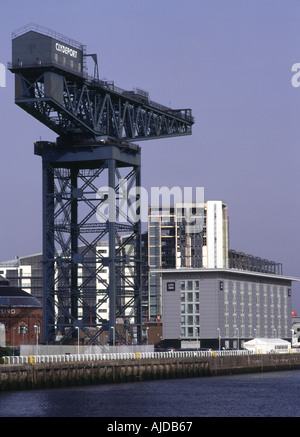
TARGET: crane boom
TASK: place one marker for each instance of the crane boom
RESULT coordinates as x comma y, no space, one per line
60,94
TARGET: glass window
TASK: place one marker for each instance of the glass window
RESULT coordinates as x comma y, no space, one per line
22,329
189,285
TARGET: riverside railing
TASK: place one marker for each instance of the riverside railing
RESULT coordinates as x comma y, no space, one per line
66,358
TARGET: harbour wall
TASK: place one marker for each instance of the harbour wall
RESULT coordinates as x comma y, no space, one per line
66,374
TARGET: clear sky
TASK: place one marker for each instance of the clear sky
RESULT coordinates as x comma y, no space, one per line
228,60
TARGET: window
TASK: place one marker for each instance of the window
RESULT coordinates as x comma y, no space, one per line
37,329
22,329
190,309
190,319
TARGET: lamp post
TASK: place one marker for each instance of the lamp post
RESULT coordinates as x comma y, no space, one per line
237,329
292,331
218,329
275,335
36,328
77,327
14,341
198,335
113,332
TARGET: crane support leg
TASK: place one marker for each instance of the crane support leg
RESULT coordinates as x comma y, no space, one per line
80,182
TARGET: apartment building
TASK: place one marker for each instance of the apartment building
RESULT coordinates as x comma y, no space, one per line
191,235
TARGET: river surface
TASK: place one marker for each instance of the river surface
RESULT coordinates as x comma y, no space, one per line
274,394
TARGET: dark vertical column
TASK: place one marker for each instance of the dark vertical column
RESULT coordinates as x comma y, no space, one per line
112,250
74,245
138,236
48,253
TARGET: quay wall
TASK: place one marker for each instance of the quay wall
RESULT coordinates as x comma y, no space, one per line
66,374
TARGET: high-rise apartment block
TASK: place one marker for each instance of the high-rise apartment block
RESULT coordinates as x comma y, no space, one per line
188,235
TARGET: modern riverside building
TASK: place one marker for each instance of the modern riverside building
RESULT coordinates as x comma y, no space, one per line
223,308
176,241
25,272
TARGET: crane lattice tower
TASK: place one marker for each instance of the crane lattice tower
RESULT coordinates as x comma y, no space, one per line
93,156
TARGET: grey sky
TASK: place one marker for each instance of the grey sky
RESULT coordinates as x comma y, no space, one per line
230,61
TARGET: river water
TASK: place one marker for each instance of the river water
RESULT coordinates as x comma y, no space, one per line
274,394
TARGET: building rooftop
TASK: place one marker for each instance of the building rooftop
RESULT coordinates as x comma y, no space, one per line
226,271
16,297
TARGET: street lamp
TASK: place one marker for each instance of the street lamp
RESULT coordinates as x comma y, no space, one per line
77,327
292,331
275,335
237,338
218,329
36,328
14,341
198,335
113,334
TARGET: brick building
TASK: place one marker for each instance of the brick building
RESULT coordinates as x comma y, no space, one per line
21,314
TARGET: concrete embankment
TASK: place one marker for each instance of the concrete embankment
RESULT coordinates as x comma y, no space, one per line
50,375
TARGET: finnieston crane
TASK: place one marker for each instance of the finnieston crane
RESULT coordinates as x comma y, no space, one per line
96,123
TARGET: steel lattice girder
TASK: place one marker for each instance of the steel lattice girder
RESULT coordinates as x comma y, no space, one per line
81,109
72,231
96,108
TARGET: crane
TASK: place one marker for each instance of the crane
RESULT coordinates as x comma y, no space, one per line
91,262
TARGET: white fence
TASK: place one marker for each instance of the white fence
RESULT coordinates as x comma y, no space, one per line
35,359
40,349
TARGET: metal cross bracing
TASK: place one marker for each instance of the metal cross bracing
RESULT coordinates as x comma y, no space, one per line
97,108
75,221
96,123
